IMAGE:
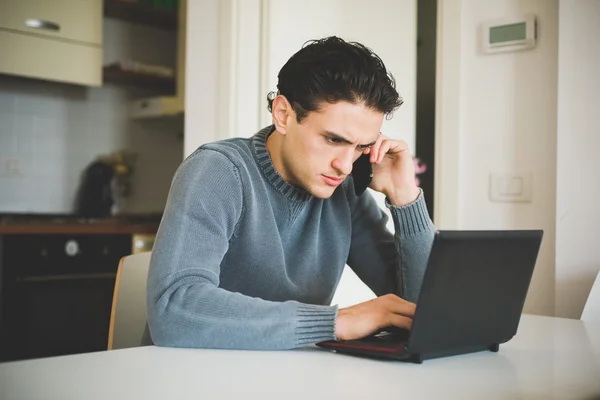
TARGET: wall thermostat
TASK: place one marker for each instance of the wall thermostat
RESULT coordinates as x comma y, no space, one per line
510,34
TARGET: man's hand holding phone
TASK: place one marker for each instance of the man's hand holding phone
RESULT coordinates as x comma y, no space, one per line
393,171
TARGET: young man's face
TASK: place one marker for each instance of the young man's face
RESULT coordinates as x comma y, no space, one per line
318,153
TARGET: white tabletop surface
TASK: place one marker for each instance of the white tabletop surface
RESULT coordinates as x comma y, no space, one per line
548,358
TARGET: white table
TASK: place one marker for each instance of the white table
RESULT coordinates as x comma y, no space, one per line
549,358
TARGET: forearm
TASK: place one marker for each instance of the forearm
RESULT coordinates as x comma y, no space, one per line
386,262
188,310
414,232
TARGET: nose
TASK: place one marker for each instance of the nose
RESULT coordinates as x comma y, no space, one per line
343,161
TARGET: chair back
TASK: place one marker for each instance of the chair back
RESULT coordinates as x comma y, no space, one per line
128,316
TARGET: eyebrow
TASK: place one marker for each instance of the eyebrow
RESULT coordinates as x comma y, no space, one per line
344,140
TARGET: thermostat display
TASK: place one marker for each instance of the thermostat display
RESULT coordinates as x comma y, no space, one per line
510,34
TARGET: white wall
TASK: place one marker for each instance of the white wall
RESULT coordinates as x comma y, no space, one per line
202,72
578,164
222,70
228,84
56,130
497,113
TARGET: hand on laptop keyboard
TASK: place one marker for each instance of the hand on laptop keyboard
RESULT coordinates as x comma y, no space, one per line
393,333
394,330
370,317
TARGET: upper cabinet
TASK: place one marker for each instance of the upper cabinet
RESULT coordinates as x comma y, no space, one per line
142,12
77,20
58,40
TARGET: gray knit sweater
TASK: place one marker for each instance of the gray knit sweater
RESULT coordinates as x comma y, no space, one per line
245,260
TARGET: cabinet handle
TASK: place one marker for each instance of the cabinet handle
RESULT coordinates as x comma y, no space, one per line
41,24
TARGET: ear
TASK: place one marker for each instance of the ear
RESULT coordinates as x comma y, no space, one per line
283,113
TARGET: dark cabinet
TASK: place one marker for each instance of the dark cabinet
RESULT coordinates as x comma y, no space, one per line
56,292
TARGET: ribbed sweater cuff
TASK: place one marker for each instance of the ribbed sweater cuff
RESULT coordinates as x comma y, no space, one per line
315,324
412,218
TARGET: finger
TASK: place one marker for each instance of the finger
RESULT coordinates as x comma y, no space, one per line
383,149
390,146
397,146
400,306
375,148
399,321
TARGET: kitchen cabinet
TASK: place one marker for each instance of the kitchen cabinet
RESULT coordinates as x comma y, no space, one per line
58,40
142,13
169,97
57,293
57,276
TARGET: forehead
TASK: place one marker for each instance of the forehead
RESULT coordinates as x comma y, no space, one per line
356,122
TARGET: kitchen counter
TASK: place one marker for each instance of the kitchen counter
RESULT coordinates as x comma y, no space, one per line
74,225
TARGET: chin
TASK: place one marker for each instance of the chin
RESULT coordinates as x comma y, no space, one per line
322,192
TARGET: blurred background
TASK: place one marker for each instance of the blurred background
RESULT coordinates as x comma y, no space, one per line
100,100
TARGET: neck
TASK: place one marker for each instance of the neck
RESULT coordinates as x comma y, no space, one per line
274,147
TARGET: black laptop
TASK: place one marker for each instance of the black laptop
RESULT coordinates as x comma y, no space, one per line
471,299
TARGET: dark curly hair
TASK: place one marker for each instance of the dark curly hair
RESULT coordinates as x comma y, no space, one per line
333,70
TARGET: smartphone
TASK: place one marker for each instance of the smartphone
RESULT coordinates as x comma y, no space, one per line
362,174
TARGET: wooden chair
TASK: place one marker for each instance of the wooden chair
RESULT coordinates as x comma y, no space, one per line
591,310
128,316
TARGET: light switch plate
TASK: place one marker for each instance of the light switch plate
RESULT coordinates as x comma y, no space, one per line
512,187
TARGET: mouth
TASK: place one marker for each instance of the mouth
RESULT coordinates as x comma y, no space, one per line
332,181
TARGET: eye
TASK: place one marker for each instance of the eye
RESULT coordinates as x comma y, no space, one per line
332,140
363,147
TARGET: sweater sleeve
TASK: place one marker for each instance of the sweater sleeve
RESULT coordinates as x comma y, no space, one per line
386,262
186,307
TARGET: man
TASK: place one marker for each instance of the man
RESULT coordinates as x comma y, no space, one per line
256,232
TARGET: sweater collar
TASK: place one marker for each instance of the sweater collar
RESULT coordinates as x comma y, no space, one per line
265,163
